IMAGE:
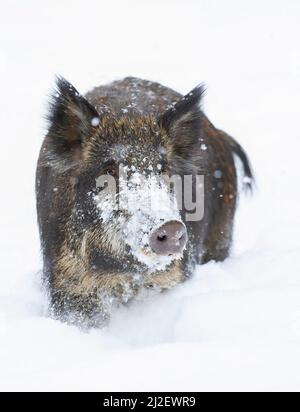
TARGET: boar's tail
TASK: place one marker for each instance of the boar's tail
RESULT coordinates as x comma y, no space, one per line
249,180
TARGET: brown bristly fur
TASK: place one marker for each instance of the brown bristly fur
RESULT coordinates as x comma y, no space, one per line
86,260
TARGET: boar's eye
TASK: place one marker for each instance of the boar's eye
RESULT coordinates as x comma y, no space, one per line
163,168
110,170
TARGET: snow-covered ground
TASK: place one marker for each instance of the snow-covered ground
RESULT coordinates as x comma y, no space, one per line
235,325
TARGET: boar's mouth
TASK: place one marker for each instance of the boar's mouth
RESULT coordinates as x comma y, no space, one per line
153,262
139,261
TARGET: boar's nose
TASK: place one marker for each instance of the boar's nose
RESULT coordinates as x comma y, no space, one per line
169,239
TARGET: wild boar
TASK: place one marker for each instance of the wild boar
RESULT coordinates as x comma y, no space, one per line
96,253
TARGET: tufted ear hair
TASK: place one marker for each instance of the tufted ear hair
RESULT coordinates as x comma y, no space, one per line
185,110
71,117
72,120
183,122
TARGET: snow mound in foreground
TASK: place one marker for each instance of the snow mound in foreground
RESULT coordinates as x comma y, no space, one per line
231,327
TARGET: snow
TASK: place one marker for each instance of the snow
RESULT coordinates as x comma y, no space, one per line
145,204
95,121
234,325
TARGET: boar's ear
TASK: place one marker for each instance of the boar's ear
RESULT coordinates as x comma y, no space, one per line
183,120
71,118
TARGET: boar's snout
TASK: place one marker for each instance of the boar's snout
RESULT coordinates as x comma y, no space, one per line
169,239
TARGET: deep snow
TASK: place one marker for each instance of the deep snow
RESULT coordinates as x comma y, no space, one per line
235,325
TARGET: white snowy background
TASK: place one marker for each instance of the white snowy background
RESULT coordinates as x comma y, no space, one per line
235,325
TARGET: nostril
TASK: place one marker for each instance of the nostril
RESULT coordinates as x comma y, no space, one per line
162,238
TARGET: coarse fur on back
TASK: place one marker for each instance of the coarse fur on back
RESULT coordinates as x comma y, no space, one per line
95,256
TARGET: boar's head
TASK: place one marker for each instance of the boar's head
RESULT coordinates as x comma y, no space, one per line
116,167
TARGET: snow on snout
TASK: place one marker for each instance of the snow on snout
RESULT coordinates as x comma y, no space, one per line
149,206
142,205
